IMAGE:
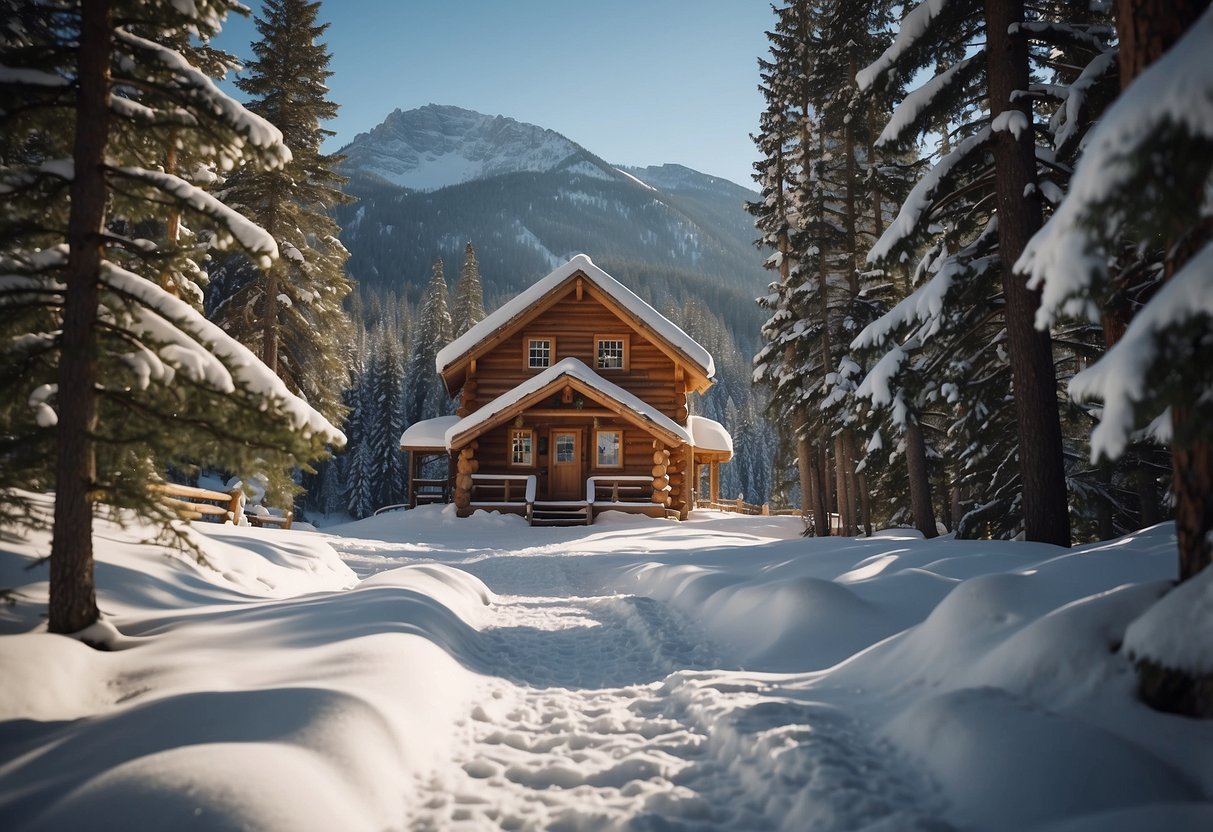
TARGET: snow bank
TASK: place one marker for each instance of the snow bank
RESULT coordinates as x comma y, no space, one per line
638,673
265,691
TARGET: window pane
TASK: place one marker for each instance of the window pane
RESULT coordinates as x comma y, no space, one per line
520,448
609,449
539,352
610,354
565,447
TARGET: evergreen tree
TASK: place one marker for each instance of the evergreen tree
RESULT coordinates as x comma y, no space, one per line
384,419
105,371
469,296
424,393
1144,176
292,312
984,192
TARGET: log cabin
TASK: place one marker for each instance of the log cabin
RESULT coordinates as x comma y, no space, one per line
572,399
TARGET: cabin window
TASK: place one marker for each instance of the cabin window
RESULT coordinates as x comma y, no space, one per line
610,448
566,447
611,352
522,447
539,352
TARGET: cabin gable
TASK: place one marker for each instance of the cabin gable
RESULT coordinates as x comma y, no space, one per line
588,330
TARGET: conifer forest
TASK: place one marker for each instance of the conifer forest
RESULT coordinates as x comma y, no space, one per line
981,234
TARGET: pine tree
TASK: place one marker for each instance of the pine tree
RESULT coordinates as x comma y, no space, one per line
385,416
292,312
424,394
1144,176
469,296
121,379
985,53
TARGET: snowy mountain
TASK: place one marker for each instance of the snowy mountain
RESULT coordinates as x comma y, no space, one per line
430,179
435,146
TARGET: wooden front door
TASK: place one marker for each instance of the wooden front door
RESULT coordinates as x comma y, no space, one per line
565,481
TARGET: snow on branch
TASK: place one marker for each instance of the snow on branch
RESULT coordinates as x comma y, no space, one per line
919,100
208,355
1053,32
1068,120
914,26
1174,94
11,75
256,130
924,305
918,204
251,236
1119,379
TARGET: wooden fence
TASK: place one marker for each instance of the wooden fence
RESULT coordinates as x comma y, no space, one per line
193,503
739,506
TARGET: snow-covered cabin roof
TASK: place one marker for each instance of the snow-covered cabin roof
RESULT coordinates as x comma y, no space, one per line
587,380
709,435
531,298
428,434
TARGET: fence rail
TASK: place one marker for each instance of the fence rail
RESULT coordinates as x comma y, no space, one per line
193,503
739,506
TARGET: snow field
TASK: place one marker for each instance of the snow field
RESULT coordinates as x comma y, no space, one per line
419,671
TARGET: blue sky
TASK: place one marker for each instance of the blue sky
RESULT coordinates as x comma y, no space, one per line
638,82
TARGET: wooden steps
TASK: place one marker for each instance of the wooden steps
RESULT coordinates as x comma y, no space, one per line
560,513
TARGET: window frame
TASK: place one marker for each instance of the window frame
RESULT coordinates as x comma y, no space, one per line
518,433
598,463
526,351
625,358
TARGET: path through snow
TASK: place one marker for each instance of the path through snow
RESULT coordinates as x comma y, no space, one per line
611,711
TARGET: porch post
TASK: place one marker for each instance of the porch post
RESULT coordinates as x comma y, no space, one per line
412,490
714,481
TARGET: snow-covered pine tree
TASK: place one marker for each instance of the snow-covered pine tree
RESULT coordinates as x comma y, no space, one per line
469,295
385,387
795,341
292,312
106,372
984,54
1145,175
424,394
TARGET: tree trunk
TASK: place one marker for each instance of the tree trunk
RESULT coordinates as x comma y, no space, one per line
804,466
920,483
73,598
1046,517
1148,28
1147,495
1192,456
821,508
846,511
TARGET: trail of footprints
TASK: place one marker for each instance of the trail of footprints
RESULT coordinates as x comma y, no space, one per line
574,734
604,713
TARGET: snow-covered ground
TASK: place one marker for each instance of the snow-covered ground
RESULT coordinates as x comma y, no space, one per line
418,671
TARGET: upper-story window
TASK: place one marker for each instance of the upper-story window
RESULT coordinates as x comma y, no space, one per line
611,352
539,352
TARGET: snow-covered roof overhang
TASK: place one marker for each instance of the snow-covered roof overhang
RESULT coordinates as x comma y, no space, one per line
574,373
526,304
427,435
710,438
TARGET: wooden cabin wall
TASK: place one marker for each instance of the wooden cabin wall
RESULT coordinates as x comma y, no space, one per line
493,449
573,324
